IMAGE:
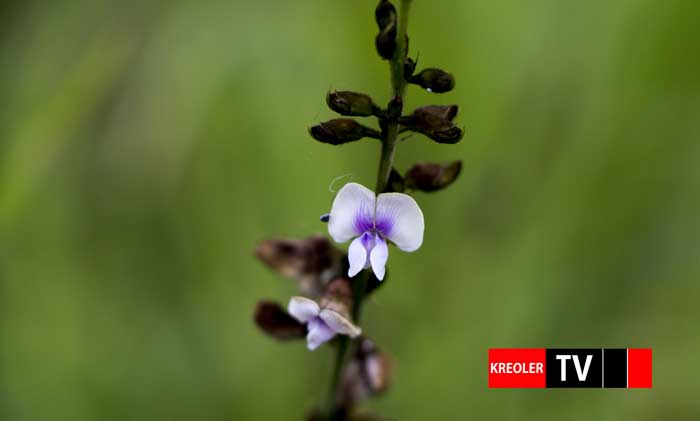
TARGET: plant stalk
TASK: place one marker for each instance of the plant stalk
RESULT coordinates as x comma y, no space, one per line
386,160
398,85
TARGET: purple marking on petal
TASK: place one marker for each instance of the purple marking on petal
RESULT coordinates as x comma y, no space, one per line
367,240
368,243
384,224
363,219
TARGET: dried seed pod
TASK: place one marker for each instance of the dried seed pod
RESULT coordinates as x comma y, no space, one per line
312,261
367,374
377,366
449,135
431,117
385,14
351,104
341,130
444,112
386,42
429,177
272,319
435,121
434,80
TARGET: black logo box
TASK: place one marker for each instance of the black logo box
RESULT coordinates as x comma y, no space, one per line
586,368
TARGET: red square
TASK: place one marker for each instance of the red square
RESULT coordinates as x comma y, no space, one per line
639,367
517,368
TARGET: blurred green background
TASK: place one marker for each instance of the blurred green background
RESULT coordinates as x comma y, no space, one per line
147,146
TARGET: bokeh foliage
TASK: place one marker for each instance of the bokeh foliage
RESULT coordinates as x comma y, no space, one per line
146,146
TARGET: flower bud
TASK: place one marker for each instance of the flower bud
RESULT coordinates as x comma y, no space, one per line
434,80
385,14
428,176
351,104
341,130
435,121
272,319
386,41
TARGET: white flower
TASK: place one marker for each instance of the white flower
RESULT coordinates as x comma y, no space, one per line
322,324
372,220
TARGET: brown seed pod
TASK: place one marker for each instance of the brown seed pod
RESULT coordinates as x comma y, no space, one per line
341,130
351,104
429,177
272,319
434,80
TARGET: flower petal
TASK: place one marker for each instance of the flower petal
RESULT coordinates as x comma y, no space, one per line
339,324
378,257
357,255
400,219
368,242
303,309
351,213
319,332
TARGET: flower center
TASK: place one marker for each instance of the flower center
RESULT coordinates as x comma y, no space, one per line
383,226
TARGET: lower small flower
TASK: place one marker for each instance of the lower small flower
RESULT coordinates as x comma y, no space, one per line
322,324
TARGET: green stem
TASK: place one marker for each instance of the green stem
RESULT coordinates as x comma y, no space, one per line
398,85
386,160
359,286
335,377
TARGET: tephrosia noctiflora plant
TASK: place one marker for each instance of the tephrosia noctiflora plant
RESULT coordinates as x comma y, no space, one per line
333,284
